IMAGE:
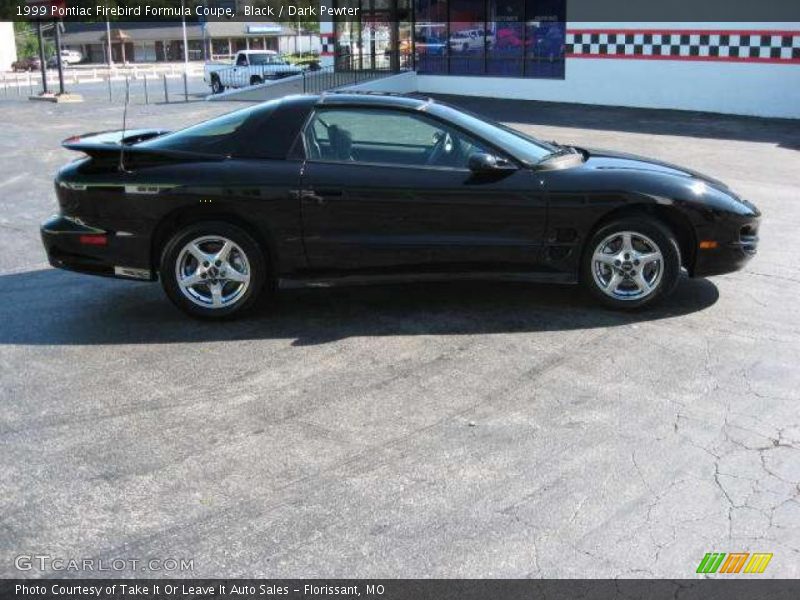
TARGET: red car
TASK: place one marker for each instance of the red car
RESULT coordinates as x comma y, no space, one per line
510,37
32,63
540,42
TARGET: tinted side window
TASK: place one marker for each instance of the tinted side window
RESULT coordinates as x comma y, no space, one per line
217,136
250,132
386,137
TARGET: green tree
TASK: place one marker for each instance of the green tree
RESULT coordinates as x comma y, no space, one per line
27,43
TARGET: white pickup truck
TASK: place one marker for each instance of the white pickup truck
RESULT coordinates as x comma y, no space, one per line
249,67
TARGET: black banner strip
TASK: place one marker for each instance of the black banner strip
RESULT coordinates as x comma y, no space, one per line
290,11
733,588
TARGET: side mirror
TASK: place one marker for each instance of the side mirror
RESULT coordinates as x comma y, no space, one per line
481,162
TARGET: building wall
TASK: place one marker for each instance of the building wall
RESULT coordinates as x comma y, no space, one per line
761,82
291,44
8,45
262,92
327,39
402,83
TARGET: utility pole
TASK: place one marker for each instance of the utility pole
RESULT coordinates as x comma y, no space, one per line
203,22
62,95
41,55
185,42
108,44
57,28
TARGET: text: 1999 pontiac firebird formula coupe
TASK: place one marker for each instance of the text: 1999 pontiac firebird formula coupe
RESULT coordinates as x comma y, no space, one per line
355,187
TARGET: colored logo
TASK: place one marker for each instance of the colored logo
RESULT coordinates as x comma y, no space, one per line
735,562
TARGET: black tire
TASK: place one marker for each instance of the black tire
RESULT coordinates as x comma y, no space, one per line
255,80
216,85
258,270
647,228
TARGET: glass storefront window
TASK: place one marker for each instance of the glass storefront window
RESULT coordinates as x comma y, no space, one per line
375,41
196,50
430,35
545,32
505,54
469,37
348,39
219,49
405,34
501,38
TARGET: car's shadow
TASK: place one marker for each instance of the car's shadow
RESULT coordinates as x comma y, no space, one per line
51,307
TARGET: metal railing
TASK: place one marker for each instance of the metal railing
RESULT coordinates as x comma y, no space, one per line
153,89
344,72
148,87
145,88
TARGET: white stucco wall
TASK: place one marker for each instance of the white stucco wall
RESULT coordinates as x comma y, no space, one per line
8,46
767,90
745,88
268,90
403,83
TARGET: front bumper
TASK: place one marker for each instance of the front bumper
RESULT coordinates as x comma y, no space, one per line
119,257
737,244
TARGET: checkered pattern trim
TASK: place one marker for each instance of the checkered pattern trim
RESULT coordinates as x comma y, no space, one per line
328,44
749,46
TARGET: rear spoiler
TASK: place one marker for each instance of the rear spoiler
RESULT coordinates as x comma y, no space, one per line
108,145
111,138
105,144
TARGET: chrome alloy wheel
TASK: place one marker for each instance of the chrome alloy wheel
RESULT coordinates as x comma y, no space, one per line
212,271
627,265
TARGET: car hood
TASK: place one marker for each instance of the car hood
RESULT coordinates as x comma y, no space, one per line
622,161
666,179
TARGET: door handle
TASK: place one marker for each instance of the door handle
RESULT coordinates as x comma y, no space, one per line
329,193
320,196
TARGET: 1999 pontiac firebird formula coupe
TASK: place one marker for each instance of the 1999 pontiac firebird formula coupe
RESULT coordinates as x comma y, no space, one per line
355,187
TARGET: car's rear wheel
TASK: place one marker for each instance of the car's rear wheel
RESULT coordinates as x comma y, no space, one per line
213,270
255,80
632,262
216,85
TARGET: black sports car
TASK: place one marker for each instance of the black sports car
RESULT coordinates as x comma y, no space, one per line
348,187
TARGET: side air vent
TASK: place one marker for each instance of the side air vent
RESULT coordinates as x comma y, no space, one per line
748,236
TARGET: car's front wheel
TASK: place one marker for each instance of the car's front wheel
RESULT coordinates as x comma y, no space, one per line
213,270
631,263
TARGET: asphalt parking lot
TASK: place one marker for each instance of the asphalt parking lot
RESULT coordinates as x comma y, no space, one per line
469,430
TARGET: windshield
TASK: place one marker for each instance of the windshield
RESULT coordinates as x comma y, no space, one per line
521,146
266,59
